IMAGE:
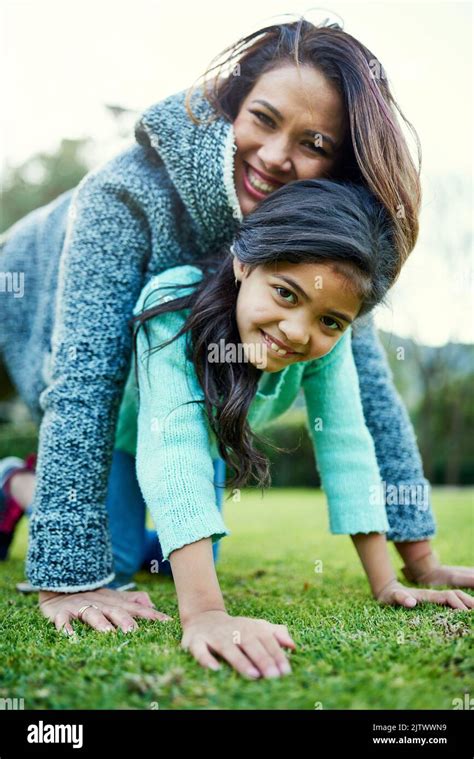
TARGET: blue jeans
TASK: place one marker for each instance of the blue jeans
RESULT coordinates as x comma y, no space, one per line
133,545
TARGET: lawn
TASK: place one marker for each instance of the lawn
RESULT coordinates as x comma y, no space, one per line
351,652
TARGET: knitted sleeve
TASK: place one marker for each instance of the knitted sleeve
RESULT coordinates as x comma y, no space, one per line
344,449
406,490
100,277
174,462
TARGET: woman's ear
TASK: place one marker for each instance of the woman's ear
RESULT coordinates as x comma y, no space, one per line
239,269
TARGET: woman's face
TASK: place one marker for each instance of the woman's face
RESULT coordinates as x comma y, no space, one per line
290,126
304,307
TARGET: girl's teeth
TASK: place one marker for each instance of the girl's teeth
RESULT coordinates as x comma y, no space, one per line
281,351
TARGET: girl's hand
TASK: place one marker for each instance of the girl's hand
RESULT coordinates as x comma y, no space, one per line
456,577
115,609
396,594
251,646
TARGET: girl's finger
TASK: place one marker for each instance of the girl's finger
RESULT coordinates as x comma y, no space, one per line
446,598
468,600
236,658
463,580
454,601
402,598
203,656
267,656
283,637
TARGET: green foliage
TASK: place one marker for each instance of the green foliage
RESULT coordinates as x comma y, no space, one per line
41,179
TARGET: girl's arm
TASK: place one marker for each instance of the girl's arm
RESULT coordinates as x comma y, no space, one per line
252,646
174,463
175,473
100,277
350,477
373,553
195,579
344,449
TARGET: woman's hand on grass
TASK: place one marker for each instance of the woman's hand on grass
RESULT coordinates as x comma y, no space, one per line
455,577
252,646
396,594
117,609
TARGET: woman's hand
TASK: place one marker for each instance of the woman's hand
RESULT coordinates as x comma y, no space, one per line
251,646
396,594
116,609
455,577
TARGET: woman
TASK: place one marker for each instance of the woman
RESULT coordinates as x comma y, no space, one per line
170,200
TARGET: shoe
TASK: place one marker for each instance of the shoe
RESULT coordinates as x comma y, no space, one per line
10,510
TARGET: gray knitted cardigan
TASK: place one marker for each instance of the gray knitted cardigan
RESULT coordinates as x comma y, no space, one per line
67,343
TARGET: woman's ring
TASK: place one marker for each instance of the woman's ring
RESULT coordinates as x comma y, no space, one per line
83,608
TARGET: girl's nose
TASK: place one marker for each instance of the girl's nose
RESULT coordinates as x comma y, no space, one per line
275,154
296,334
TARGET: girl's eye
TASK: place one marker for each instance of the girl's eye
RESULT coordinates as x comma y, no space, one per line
286,291
315,148
263,118
335,324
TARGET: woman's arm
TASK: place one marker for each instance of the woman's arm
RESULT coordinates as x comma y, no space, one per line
407,490
100,277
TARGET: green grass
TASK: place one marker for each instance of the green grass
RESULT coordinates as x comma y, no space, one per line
351,652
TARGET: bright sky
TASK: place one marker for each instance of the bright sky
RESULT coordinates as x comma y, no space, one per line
62,61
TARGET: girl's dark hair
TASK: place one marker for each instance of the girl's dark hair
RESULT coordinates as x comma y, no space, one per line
375,151
308,221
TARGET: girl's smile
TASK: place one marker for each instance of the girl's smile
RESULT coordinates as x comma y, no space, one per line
278,347
298,311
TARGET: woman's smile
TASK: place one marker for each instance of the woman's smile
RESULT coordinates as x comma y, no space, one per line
257,184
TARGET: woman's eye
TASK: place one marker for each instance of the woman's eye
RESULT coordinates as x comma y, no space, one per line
315,148
263,118
333,324
284,290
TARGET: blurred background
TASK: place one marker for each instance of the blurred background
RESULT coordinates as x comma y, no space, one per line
75,78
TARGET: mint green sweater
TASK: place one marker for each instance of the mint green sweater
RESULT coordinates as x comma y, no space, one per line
174,445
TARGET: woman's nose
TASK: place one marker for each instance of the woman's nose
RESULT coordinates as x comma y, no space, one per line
275,154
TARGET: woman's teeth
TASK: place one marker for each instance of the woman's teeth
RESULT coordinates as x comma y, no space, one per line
258,183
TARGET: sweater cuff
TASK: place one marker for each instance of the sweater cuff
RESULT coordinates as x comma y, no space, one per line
198,526
346,517
69,554
351,524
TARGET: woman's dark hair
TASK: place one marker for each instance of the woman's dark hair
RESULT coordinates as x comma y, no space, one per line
307,221
375,151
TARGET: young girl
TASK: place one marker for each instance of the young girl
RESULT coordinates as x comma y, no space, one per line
301,102
222,360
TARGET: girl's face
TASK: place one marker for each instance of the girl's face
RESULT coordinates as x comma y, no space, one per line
292,312
290,126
